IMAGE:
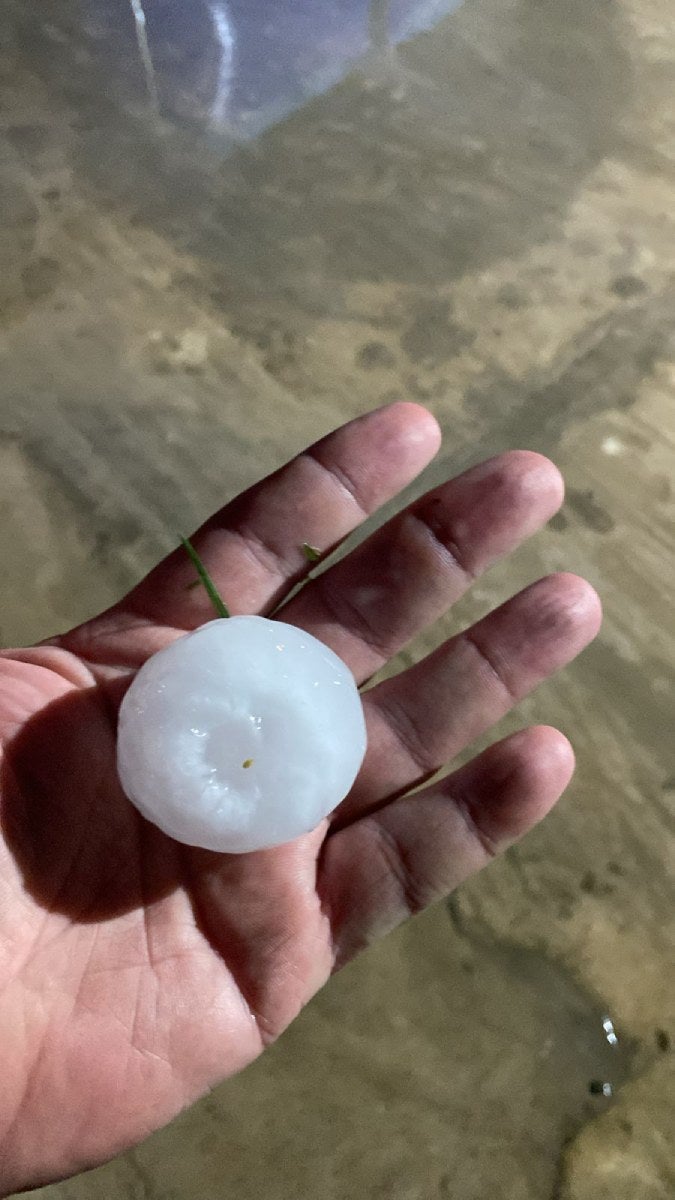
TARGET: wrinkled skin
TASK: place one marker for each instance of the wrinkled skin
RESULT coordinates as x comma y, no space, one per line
135,973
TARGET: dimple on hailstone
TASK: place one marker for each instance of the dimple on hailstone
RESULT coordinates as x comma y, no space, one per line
241,735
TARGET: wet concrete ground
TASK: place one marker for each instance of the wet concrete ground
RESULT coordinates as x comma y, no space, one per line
480,220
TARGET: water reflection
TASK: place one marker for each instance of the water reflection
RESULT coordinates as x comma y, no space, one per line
144,52
239,66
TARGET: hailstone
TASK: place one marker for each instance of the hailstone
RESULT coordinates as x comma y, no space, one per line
241,735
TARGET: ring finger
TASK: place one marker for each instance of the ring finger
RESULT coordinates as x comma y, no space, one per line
409,572
423,717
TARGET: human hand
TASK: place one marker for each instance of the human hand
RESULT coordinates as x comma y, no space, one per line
135,972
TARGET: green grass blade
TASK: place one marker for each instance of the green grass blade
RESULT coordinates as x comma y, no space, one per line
209,586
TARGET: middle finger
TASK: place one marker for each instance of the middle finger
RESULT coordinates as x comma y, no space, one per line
407,574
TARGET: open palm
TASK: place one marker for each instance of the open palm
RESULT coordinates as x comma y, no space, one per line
135,972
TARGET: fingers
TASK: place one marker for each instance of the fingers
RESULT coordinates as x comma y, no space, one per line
423,717
253,547
393,863
408,573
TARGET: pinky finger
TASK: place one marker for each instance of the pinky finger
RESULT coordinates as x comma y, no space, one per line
394,862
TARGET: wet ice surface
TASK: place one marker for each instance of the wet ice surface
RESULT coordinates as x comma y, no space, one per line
241,735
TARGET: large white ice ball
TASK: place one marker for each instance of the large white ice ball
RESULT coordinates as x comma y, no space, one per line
241,735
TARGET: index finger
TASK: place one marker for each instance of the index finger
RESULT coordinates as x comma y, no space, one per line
253,547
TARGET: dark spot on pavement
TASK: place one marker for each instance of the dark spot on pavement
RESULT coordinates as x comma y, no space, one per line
511,296
29,138
593,515
433,336
593,886
626,286
375,354
40,278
